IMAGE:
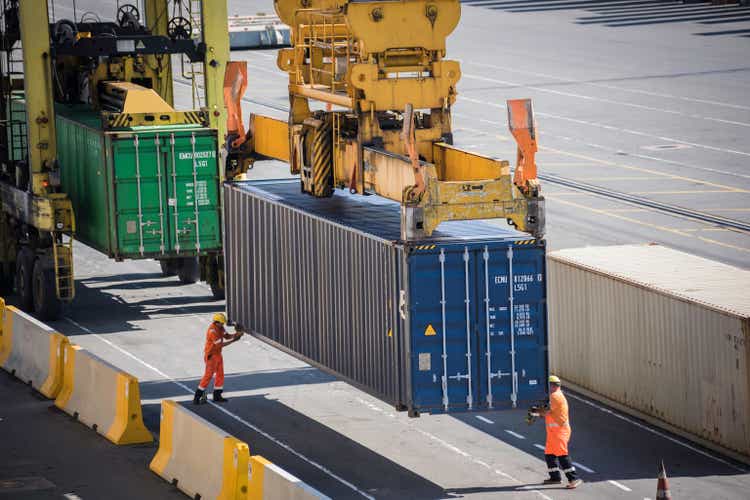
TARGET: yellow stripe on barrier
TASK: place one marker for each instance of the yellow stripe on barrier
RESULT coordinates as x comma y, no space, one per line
66,391
164,453
32,351
52,386
128,427
198,457
102,397
257,476
270,482
6,335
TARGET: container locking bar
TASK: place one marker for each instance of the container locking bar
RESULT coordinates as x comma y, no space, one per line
445,347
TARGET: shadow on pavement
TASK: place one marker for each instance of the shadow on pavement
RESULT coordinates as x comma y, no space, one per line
315,453
103,310
266,379
635,13
612,447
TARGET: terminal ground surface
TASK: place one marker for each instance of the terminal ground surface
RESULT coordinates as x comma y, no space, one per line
626,97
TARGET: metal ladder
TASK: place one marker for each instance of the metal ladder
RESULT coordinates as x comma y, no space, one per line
189,70
62,252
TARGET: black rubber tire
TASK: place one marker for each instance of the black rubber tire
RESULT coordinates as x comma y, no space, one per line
24,273
189,271
168,267
217,291
7,277
46,304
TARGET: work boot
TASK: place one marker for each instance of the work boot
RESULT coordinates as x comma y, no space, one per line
218,398
574,484
200,397
552,481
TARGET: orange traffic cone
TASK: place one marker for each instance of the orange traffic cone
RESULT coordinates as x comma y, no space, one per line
662,487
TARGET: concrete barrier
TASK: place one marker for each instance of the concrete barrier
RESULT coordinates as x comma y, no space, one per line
102,397
198,457
31,351
270,482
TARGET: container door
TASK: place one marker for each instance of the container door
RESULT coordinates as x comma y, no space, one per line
193,191
139,203
442,306
512,319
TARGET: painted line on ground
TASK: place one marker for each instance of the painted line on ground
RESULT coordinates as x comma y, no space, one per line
556,199
235,417
607,86
597,161
619,485
604,100
515,434
656,432
537,445
616,129
451,447
483,419
584,468
708,169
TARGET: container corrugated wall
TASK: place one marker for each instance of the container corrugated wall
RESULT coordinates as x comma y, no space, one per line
327,279
457,322
651,339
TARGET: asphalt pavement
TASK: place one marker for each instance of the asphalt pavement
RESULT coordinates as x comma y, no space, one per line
642,97
45,454
346,443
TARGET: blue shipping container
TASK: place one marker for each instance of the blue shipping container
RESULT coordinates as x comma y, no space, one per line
455,322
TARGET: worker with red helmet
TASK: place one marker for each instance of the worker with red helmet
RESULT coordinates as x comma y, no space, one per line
557,425
216,339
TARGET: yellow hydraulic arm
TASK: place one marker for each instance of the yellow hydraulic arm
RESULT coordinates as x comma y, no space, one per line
370,94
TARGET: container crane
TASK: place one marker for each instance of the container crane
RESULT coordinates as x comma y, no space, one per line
370,94
92,148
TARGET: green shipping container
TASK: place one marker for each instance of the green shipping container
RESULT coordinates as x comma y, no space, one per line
145,192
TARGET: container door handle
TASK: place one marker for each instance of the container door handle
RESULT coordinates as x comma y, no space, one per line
402,304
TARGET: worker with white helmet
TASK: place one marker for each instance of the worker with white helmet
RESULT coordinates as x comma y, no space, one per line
557,425
216,340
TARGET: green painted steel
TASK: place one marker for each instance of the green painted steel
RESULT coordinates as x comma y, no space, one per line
138,193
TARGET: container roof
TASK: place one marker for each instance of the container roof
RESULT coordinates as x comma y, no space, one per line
374,215
679,274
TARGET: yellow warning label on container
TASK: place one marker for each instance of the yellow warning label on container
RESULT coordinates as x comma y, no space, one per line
390,332
429,331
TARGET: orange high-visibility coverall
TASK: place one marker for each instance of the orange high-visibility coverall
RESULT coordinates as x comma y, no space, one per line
557,425
215,336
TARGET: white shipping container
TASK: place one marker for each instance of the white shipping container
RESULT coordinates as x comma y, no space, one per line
658,331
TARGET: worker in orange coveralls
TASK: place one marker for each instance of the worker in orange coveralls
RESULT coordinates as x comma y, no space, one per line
216,337
557,425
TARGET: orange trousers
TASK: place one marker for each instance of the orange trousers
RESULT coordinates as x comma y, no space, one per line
214,366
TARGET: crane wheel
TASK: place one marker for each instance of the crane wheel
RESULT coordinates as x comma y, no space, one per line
24,272
7,275
46,304
168,267
189,271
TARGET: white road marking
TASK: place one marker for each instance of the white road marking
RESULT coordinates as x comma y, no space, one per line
600,99
72,496
515,434
537,445
226,412
619,485
486,420
615,129
660,434
584,468
608,149
451,447
607,86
